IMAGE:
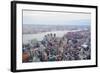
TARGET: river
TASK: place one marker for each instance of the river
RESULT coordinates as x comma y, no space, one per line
39,36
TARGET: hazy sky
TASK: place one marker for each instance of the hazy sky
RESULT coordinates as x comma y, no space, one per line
55,18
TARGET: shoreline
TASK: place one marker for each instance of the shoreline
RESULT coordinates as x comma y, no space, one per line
27,37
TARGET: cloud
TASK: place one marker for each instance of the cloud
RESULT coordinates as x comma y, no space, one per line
54,18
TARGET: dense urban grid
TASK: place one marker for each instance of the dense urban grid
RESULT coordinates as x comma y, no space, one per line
72,46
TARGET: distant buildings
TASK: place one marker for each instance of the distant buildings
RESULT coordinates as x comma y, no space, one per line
72,46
